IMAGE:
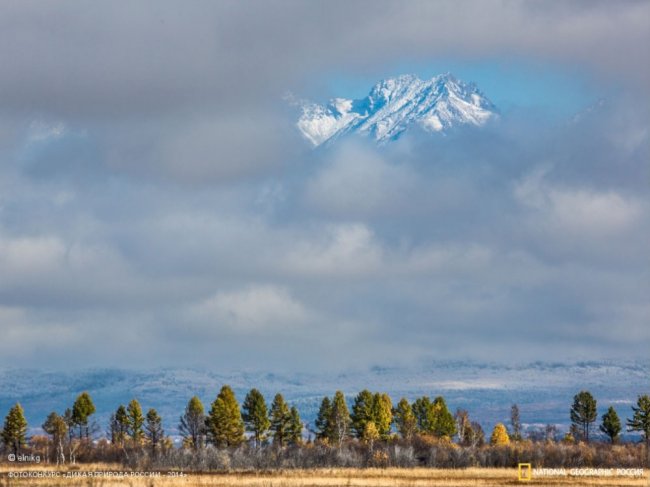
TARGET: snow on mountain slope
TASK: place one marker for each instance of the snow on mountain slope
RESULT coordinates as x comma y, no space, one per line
395,104
544,391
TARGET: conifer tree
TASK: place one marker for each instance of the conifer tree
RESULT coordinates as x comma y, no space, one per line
422,410
56,427
442,421
641,418
295,427
82,409
120,425
135,421
192,423
340,419
224,423
434,418
382,414
255,415
515,422
405,420
280,420
154,429
323,421
15,429
499,435
611,424
362,412
583,413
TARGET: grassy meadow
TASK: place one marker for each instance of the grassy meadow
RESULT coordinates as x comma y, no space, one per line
391,477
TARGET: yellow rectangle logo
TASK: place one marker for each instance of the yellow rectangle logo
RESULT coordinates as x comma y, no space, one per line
525,472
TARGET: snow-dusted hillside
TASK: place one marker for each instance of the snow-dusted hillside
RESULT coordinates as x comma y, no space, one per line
396,104
543,390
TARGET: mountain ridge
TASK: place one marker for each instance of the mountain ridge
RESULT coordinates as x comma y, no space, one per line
543,390
394,105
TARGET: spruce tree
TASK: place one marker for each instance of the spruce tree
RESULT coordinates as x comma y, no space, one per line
192,424
82,409
280,420
323,421
422,410
154,429
15,429
641,418
382,414
443,424
340,419
405,420
120,426
255,415
362,412
295,427
583,413
135,421
224,423
611,425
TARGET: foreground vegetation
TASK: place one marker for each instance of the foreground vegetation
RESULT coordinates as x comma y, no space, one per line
419,451
393,477
373,434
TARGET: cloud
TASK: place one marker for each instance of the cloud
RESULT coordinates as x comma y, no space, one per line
203,150
582,222
158,206
42,131
358,181
579,211
337,251
258,308
30,256
224,56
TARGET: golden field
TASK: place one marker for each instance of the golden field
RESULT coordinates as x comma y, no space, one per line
80,475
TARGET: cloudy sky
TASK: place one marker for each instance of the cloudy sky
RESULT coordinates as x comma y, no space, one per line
158,206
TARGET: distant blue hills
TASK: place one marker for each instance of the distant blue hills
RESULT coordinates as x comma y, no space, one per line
543,390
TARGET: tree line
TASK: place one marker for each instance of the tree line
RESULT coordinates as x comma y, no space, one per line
372,420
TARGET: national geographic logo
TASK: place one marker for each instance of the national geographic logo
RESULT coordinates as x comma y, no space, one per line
525,472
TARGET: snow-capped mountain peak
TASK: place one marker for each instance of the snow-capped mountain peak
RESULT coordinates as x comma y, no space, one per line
395,104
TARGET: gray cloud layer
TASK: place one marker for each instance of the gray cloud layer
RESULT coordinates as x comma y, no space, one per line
157,206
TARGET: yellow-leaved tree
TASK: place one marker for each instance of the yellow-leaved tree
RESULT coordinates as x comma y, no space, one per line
499,435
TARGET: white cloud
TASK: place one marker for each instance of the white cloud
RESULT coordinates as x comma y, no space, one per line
40,131
254,309
172,177
337,250
577,212
23,335
30,256
358,181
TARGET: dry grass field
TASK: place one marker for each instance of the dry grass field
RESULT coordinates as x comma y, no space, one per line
392,477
